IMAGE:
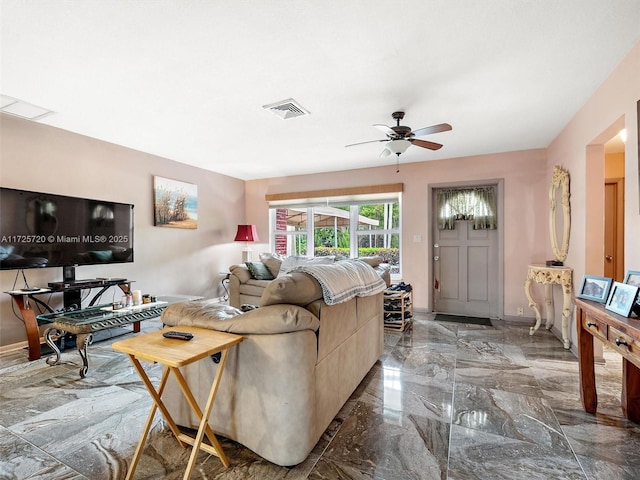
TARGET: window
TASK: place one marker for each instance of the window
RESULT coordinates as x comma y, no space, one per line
382,238
477,204
345,228
289,231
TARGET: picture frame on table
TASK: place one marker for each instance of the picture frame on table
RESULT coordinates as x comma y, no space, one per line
632,278
622,298
595,288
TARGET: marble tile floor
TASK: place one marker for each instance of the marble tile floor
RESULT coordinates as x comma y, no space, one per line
445,401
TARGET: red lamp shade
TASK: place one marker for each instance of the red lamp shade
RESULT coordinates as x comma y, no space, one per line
247,233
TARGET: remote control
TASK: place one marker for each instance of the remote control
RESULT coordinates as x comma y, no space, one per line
177,335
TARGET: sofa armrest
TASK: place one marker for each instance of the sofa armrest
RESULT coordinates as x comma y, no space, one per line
238,274
223,318
241,272
234,291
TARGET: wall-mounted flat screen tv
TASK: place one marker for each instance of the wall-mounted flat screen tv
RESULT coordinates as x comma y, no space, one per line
46,230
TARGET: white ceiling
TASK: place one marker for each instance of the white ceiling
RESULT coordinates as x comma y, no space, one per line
187,79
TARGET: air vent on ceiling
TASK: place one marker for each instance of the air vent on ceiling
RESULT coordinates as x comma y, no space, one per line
286,109
22,109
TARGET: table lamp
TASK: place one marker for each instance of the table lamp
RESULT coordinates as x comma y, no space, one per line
246,233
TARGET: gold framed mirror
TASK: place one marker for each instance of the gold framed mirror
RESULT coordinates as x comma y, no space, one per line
559,220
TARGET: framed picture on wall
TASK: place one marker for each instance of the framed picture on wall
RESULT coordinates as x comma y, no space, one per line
175,203
595,288
622,298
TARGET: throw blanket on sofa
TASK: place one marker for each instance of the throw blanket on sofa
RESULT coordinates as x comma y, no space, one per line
344,280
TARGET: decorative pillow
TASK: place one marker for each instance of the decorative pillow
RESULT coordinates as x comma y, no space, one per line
289,263
272,261
292,262
373,261
259,271
295,288
327,259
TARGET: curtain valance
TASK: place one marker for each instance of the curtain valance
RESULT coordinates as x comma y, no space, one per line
476,204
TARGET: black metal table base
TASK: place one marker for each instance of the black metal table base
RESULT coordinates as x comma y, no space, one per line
83,340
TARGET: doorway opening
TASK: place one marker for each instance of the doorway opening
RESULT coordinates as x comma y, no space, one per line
614,165
604,204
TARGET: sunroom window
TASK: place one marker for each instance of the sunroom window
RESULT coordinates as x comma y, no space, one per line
360,226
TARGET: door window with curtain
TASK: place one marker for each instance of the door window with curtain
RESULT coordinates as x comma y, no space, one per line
466,254
475,204
360,226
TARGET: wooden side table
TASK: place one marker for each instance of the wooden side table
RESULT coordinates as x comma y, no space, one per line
621,334
173,354
28,315
549,276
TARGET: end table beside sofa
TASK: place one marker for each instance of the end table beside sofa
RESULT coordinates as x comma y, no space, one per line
300,361
173,354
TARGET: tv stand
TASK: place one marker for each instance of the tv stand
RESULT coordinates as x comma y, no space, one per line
72,299
72,289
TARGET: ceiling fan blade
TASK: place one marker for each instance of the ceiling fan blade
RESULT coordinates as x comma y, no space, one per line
385,153
441,127
385,129
369,141
426,144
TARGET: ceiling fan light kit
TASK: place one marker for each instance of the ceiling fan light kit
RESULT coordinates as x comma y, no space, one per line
400,137
395,146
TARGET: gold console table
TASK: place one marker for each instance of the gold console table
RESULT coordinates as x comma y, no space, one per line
548,277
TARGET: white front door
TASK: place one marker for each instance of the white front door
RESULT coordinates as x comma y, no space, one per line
465,266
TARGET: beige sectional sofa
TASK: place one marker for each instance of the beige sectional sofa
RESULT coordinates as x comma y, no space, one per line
299,362
246,289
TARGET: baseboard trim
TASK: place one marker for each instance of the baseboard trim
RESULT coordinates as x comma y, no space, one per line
13,347
519,320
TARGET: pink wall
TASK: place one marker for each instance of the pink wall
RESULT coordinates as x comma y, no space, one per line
579,148
167,260
525,210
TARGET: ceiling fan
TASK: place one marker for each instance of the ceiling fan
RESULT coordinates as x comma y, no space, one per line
399,138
